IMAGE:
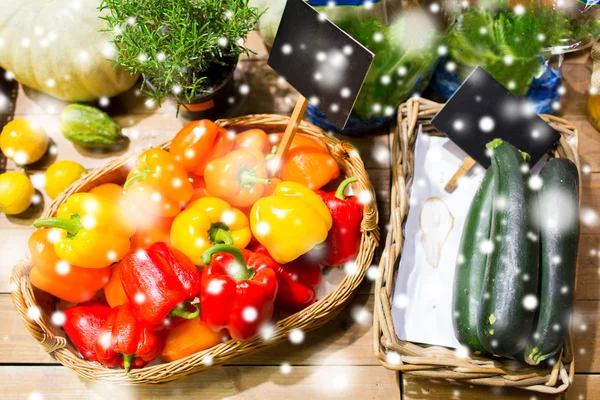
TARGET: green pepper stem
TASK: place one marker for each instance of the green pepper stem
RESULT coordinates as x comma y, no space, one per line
136,177
219,233
339,193
272,154
243,272
72,226
127,361
249,178
182,312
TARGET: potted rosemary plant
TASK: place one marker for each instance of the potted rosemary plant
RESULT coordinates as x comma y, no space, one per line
185,49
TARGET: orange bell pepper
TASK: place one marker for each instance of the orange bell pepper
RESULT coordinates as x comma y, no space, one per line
188,338
152,231
59,278
270,188
253,138
113,291
111,191
199,142
158,185
311,166
238,178
199,186
300,140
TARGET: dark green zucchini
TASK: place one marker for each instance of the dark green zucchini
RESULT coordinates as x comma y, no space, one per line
471,264
511,277
559,236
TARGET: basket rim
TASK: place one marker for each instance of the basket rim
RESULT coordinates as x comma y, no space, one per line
312,317
436,361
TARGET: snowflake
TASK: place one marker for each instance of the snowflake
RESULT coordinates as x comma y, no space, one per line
58,318
401,301
347,50
586,169
589,217
244,89
385,80
286,49
62,268
361,315
222,41
402,71
442,50
508,60
160,56
285,368
296,336
483,30
263,228
487,124
131,21
249,314
149,103
267,332
350,268
36,199
111,255
373,273
139,298
486,247
434,8
535,183
450,66
462,352
34,313
340,381
208,360
530,302
458,125
393,358
334,107
104,101
365,196
519,9
35,396
345,92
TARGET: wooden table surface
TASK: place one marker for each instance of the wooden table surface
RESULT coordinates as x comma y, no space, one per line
335,361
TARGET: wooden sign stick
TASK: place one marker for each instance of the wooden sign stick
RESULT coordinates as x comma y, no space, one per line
465,167
289,134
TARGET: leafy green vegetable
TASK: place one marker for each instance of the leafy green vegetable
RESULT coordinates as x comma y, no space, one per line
181,46
396,71
509,46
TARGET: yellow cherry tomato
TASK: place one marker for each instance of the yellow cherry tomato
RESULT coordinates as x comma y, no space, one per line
23,141
61,175
16,192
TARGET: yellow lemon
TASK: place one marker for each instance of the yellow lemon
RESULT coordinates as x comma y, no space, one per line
16,192
61,175
23,141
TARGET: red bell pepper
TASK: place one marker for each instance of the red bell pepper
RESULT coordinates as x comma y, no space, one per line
125,341
297,281
238,290
159,282
343,239
83,323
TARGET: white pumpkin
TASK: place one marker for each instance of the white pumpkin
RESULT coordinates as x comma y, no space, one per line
55,46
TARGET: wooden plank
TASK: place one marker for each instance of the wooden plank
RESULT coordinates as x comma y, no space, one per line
583,387
346,340
239,382
588,268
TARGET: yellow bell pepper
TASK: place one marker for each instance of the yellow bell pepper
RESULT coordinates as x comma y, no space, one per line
208,221
94,231
290,222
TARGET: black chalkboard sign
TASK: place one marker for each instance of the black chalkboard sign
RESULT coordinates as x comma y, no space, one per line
482,109
322,62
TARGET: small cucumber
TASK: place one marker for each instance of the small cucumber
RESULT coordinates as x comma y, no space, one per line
471,264
505,315
89,127
559,235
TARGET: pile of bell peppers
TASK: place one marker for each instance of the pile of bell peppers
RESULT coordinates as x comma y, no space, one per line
197,245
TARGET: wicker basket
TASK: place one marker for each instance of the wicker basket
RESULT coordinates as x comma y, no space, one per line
435,361
53,339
